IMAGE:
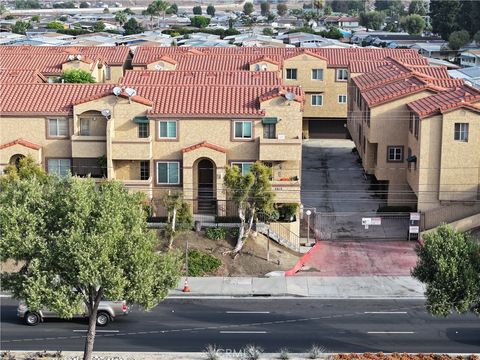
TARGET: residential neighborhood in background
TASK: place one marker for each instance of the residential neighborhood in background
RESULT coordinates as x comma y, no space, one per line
364,115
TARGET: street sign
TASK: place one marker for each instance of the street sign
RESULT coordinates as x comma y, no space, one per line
415,216
414,229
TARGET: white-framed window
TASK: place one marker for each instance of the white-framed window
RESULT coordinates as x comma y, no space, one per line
167,129
461,132
242,130
168,172
342,74
317,74
60,167
317,100
342,99
243,166
395,153
291,74
58,127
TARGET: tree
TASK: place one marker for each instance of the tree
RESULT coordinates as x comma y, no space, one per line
318,4
63,18
128,11
179,215
211,10
27,4
197,10
56,25
84,5
248,8
35,18
268,31
200,21
21,27
27,168
156,8
99,26
419,7
3,9
449,265
173,9
81,242
372,19
444,15
264,8
77,76
252,193
121,17
132,27
458,39
327,10
106,11
64,5
282,9
414,24
477,38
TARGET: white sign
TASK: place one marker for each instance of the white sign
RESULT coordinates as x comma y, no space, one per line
415,216
376,221
371,221
414,229
366,221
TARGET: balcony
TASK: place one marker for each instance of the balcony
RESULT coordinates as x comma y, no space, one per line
88,146
135,149
280,149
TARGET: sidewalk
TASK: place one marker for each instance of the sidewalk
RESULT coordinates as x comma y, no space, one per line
328,287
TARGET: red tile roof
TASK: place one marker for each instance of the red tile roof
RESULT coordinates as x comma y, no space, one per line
21,77
236,78
463,96
242,56
282,91
22,142
204,144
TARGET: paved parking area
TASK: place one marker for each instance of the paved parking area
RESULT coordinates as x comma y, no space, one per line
360,258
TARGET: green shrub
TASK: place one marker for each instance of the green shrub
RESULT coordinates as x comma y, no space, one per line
216,233
233,232
200,263
184,218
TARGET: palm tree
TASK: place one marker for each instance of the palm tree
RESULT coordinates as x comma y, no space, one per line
318,4
121,17
156,8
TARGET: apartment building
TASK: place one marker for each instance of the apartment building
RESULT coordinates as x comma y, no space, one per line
106,64
322,73
389,106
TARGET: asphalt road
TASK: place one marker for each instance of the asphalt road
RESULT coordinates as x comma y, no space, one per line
191,324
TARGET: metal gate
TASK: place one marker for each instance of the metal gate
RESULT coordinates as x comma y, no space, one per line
362,226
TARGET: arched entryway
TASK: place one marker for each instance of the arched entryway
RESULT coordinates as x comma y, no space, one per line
15,160
206,192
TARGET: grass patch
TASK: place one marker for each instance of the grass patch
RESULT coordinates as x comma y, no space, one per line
200,263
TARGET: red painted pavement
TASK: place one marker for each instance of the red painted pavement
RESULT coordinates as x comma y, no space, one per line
358,258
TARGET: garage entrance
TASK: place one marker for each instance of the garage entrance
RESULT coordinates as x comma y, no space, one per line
327,128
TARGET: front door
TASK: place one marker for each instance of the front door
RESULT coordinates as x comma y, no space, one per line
206,187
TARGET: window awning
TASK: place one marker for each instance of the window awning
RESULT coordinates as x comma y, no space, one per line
141,120
269,120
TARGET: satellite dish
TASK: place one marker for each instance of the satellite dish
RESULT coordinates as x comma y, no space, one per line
290,96
130,92
106,113
158,67
71,57
117,90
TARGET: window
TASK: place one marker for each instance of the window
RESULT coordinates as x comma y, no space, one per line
291,74
461,132
144,170
342,74
417,126
243,166
410,123
84,126
342,99
317,74
243,130
168,172
317,100
58,127
167,129
395,153
143,130
60,167
107,72
269,131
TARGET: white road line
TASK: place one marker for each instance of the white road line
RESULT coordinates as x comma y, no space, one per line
390,332
385,312
243,332
5,296
247,312
99,331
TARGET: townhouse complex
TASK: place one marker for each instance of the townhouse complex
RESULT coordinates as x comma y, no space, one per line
173,118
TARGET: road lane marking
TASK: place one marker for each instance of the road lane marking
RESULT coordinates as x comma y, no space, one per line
390,332
101,331
242,332
385,312
247,312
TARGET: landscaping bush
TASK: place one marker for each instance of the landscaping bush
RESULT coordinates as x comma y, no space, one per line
200,263
216,233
